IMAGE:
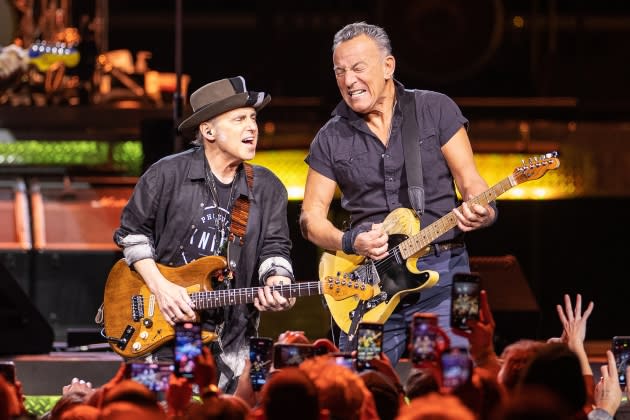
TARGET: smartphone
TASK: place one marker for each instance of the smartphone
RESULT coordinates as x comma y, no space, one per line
154,376
465,299
369,344
7,370
260,358
291,354
344,359
187,348
426,339
621,350
456,367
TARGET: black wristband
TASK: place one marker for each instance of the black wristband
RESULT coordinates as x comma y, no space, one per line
349,236
347,244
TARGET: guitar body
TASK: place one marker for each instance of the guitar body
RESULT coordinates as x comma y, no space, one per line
397,275
132,314
397,280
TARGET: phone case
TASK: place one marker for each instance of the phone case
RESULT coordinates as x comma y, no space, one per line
260,359
187,347
464,299
369,343
621,351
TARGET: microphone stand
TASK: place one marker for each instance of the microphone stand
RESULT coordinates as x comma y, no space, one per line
177,96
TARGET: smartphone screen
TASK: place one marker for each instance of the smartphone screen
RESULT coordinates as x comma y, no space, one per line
291,354
344,359
369,344
424,341
154,376
464,299
187,347
7,370
621,350
456,367
260,358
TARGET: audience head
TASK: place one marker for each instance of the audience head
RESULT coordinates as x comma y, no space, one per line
384,392
482,395
515,357
80,412
340,390
293,337
129,399
558,369
224,407
10,404
533,402
435,406
290,390
421,382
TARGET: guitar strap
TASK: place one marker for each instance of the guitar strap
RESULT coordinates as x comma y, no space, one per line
236,240
238,221
411,149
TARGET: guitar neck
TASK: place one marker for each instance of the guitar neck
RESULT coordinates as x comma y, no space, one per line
438,228
227,297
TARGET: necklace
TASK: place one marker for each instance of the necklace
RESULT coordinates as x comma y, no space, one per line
215,194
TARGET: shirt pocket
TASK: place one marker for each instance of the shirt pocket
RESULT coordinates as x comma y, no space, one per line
355,166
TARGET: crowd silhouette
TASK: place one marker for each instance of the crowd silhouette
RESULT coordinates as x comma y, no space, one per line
530,379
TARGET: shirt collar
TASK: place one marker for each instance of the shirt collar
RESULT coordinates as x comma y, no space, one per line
197,171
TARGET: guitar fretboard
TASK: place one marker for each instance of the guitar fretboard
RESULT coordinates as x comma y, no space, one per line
438,228
219,298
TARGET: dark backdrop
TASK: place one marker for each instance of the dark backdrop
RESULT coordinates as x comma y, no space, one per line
482,48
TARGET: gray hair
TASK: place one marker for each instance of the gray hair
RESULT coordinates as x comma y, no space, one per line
355,29
198,140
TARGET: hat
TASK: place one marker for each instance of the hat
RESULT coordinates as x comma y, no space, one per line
221,96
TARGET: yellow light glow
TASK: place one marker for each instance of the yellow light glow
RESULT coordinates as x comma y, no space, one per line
290,167
518,22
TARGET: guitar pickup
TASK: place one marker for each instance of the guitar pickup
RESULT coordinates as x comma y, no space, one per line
137,307
124,338
376,300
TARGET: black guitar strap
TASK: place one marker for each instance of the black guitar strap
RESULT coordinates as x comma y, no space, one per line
411,148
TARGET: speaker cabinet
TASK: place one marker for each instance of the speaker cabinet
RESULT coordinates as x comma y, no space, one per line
22,327
511,300
73,227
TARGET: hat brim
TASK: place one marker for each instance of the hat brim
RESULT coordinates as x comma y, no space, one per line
206,113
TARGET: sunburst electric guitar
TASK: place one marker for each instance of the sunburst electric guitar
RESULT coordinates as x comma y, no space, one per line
396,276
135,326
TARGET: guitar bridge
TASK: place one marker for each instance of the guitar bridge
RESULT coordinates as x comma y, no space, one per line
371,303
137,307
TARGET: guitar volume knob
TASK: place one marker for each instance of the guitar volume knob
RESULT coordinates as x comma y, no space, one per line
136,346
144,335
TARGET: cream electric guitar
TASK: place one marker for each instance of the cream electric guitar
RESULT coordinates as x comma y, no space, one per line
396,276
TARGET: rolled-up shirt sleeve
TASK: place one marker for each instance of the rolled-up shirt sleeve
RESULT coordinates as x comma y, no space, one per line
135,234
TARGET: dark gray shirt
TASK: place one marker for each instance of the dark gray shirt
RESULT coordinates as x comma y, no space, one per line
372,177
172,197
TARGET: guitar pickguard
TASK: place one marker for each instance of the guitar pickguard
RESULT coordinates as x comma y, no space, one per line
390,279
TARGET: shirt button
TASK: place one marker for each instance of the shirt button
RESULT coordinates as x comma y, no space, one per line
193,226
201,205
181,247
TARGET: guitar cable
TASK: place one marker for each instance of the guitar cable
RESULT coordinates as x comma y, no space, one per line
118,341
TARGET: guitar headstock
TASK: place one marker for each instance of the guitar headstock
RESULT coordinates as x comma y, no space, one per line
342,288
536,167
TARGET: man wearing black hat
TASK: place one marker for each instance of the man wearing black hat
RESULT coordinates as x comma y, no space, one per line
183,208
